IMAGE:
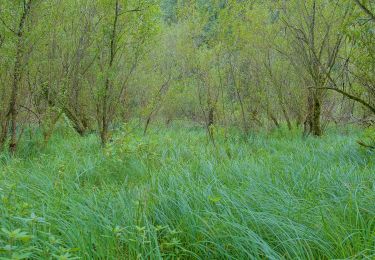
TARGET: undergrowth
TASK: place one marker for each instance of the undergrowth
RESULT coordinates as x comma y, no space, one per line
173,195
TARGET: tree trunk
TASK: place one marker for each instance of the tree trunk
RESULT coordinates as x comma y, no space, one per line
105,120
104,123
274,119
211,117
17,76
210,124
4,133
148,121
316,124
104,136
48,130
286,116
78,124
312,123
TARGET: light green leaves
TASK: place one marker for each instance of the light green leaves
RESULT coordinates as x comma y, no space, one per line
17,235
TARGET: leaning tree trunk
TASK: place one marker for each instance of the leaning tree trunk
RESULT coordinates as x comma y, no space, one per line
79,125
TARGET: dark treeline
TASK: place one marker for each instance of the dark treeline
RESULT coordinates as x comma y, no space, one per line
250,64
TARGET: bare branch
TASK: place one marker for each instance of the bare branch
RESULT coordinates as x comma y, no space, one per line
372,108
366,10
7,26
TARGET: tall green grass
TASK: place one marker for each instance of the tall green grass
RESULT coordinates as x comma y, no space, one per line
173,195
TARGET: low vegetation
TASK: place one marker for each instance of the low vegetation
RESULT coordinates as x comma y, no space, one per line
169,195
187,129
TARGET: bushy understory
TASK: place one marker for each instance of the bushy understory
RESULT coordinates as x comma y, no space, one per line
173,195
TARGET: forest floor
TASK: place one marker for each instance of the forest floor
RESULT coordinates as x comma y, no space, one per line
172,195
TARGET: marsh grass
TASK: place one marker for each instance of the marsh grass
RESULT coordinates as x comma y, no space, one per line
172,195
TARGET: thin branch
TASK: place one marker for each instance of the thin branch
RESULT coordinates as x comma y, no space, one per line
32,112
372,108
133,10
366,145
366,10
7,26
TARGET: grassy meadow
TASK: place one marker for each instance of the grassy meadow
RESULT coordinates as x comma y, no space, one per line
173,195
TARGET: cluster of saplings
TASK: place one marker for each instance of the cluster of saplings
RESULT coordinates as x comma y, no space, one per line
245,64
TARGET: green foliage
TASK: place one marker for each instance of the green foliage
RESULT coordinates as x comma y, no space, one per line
368,139
24,235
230,176
169,195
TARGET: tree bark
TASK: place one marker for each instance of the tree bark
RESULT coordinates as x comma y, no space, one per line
274,119
4,133
312,124
210,124
105,121
17,76
78,124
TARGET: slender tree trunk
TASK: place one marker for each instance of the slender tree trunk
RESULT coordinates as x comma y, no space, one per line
105,123
148,121
243,114
17,76
285,113
4,133
48,130
78,125
274,119
210,124
211,117
105,120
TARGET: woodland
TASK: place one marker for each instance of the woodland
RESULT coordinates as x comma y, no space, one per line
187,129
